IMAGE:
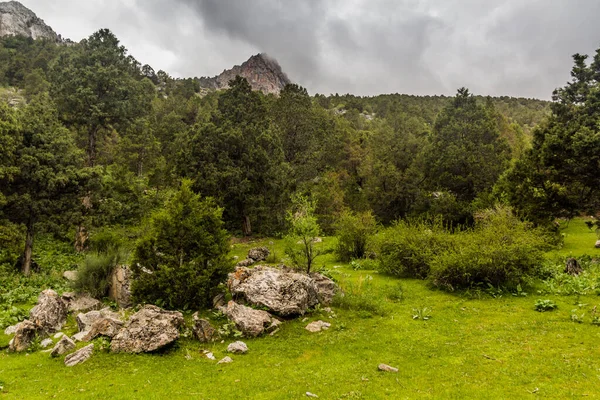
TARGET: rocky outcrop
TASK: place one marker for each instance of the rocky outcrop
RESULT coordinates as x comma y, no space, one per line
284,293
120,286
18,20
50,313
249,321
81,355
202,329
258,254
64,344
149,329
24,336
97,323
262,72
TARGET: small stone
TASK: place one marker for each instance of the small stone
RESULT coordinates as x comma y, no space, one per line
237,347
80,356
258,253
317,326
210,356
64,344
598,244
80,336
46,343
70,275
309,394
225,360
387,368
11,330
58,335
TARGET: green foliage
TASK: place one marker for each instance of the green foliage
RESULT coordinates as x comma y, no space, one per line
421,313
183,258
556,281
47,177
500,250
545,305
303,233
465,154
353,231
94,275
408,248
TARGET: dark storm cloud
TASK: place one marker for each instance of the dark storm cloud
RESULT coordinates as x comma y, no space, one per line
498,47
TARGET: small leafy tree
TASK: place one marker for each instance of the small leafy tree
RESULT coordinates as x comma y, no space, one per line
183,259
303,233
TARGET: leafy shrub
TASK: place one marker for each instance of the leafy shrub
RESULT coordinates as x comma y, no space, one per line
408,248
501,250
95,273
545,305
353,231
556,281
183,258
423,313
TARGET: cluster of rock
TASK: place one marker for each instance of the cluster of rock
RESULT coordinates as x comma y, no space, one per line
283,293
278,293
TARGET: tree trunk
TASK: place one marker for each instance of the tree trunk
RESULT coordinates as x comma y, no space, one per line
27,253
81,237
246,227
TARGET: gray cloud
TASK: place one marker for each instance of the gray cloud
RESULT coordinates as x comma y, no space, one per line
497,47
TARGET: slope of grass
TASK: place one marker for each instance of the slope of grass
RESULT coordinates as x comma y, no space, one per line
578,239
473,346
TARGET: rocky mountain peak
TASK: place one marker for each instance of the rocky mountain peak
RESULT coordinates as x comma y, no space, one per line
18,20
262,72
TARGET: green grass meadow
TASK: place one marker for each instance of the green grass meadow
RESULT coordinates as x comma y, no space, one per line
475,345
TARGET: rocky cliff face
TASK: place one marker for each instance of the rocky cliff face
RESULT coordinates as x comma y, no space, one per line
262,72
16,19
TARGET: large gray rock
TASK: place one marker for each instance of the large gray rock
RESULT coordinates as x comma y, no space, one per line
24,335
82,303
202,329
258,254
249,321
326,288
64,344
86,320
284,293
105,326
149,329
50,313
81,355
120,286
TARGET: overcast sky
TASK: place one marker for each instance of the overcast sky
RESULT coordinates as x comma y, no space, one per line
365,47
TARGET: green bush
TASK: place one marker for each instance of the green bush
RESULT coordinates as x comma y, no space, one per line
106,239
408,248
95,273
500,250
353,231
183,258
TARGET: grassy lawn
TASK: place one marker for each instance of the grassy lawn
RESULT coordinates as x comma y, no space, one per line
474,346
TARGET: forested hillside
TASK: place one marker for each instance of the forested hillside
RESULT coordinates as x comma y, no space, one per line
128,135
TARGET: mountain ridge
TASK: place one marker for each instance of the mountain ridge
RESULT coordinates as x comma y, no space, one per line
18,20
